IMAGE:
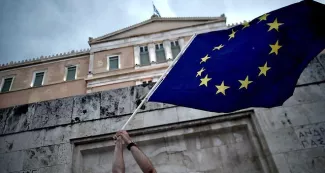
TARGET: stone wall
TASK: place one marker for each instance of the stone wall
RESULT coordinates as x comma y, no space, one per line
73,134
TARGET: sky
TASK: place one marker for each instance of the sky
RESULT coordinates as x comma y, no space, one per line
34,28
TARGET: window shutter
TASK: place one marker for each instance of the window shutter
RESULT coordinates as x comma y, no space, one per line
160,54
144,56
38,79
6,85
144,59
113,63
175,49
71,73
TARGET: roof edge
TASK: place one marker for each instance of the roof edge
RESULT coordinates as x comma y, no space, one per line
43,59
95,40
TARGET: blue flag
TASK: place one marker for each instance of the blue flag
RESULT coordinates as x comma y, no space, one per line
256,64
155,11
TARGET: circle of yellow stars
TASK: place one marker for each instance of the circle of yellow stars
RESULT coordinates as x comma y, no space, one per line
263,69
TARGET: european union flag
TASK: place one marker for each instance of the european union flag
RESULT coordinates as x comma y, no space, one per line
256,64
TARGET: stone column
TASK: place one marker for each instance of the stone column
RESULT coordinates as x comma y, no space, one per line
168,50
152,53
91,65
136,56
155,79
181,43
138,82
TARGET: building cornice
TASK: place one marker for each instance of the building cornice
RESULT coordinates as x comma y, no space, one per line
156,37
44,59
98,39
134,75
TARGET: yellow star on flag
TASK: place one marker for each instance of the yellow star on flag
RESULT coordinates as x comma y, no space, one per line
275,47
199,73
245,24
263,17
244,83
264,69
204,59
275,25
205,80
222,88
219,47
232,35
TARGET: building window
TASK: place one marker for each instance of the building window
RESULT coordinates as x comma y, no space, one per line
38,79
175,48
160,53
144,56
6,84
113,62
71,73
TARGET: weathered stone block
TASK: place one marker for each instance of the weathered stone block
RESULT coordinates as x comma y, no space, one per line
51,113
306,94
153,147
14,142
229,158
282,140
41,157
118,122
281,117
223,138
57,135
11,162
307,160
211,155
244,150
65,168
314,72
64,154
175,144
47,156
115,102
19,118
3,117
186,114
90,128
21,141
281,163
86,107
159,117
312,135
314,111
138,93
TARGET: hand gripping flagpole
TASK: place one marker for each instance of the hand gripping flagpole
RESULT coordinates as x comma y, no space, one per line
162,77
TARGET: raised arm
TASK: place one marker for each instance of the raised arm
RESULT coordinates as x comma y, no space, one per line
118,163
141,159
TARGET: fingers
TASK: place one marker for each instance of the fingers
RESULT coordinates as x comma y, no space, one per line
122,132
123,135
117,136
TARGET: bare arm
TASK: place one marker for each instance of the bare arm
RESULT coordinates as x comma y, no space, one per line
118,163
141,159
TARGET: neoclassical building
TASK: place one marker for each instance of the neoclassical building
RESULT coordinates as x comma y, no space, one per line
130,56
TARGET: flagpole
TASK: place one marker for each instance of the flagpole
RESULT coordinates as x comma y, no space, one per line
162,77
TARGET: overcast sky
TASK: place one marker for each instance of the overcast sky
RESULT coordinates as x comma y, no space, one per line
31,28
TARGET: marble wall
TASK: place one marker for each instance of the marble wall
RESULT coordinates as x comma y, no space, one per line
49,136
208,148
